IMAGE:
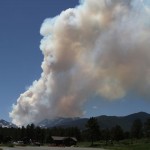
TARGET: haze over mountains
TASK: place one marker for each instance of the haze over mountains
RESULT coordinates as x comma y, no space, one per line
104,121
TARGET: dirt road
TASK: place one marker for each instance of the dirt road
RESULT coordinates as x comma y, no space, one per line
49,148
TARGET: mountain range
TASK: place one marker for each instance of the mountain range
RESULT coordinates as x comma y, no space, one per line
6,124
104,121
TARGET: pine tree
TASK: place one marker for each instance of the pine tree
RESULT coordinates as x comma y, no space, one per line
136,129
93,129
147,128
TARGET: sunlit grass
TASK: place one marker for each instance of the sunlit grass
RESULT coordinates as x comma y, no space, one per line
122,145
130,147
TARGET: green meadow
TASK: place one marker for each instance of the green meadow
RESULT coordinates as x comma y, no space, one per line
143,144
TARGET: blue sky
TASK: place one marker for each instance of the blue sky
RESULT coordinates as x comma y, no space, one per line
20,56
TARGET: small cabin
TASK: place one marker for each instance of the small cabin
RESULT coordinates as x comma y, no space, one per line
63,141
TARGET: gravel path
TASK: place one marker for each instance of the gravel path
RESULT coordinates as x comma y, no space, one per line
49,148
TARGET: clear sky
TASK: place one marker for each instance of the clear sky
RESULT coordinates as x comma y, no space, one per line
21,58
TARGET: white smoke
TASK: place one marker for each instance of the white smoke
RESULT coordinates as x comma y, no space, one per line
98,48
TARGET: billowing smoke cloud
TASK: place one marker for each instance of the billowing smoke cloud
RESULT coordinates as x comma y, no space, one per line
98,48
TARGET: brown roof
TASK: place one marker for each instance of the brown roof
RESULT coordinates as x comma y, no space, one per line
60,138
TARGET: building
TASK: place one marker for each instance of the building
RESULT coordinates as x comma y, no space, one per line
63,141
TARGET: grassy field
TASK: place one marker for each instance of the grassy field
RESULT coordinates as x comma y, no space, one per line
129,147
122,145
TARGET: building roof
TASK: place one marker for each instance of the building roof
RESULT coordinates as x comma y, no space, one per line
60,138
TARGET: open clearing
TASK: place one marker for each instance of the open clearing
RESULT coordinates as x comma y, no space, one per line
48,148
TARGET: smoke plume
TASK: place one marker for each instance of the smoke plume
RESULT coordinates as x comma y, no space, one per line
101,47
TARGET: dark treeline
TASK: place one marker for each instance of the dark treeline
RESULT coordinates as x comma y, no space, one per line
36,134
92,133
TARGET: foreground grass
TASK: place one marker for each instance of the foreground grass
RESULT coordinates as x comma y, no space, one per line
123,145
129,147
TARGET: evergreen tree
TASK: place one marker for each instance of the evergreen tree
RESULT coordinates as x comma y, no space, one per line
147,128
106,135
117,133
93,129
136,129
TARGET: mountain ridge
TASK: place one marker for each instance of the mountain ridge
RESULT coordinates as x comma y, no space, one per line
6,124
104,121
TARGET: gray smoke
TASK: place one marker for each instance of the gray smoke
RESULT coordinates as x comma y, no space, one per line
99,48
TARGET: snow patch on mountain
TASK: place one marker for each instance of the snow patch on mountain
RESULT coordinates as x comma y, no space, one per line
6,124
